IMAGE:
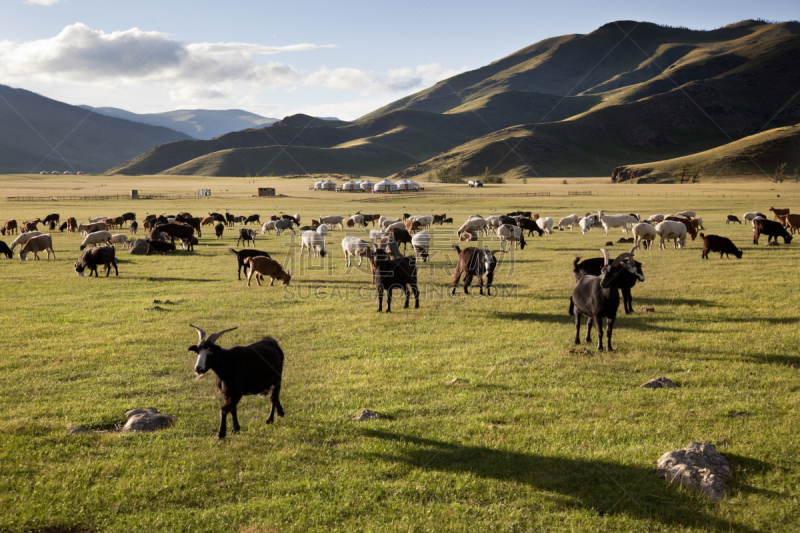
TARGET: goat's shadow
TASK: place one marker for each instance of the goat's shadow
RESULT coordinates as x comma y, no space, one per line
598,486
563,318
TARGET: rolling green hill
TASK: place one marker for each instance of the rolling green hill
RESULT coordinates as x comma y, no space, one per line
32,125
566,106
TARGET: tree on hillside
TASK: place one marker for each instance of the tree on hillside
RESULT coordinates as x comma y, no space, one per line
449,175
796,174
487,177
779,174
689,173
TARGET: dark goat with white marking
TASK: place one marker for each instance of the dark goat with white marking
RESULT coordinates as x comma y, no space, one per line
389,274
91,259
625,280
598,297
475,262
241,371
771,229
734,219
246,235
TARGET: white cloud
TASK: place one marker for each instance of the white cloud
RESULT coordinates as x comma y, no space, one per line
41,2
192,94
80,53
398,80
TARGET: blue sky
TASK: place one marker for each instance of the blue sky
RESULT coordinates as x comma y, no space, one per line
342,58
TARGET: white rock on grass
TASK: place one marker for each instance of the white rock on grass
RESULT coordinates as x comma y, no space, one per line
367,414
147,420
698,466
660,383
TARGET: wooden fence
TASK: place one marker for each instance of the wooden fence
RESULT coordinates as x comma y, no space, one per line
102,198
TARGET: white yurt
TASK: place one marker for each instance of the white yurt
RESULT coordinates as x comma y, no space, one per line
366,185
351,186
329,185
402,185
320,184
413,184
385,186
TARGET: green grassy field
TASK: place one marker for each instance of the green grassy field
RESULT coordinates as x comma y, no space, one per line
533,437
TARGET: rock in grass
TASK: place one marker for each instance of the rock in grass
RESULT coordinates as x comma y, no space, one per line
698,466
455,381
147,420
660,383
366,414
78,431
139,247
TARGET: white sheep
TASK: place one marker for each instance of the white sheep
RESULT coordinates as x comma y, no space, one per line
750,217
386,223
570,221
297,217
586,224
671,229
322,229
353,246
23,238
687,214
312,240
615,221
421,242
97,219
268,226
98,237
424,221
656,218
332,221
546,224
646,233
119,239
494,222
380,220
375,235
358,219
474,224
395,225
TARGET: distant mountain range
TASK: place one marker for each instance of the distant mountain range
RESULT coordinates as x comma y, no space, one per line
196,123
575,105
40,134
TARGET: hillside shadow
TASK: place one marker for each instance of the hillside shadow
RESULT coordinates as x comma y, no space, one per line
600,487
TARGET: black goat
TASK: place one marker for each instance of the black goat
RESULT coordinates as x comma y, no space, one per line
5,250
188,244
530,225
246,235
400,236
723,245
625,281
389,274
194,222
159,247
91,259
134,227
255,219
129,216
241,371
52,218
218,229
241,255
174,230
771,229
475,262
732,218
598,297
229,219
290,217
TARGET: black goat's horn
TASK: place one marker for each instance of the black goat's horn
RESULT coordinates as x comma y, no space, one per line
633,249
214,336
605,255
620,257
200,332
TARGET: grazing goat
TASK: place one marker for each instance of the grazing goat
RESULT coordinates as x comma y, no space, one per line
96,238
447,221
322,229
421,242
723,245
376,235
587,223
779,212
91,259
691,226
27,227
686,214
188,244
5,250
389,274
670,229
268,226
159,247
790,222
509,233
129,216
36,245
750,217
400,236
546,224
246,235
530,225
625,279
94,226
353,246
284,224
616,221
219,229
386,223
474,225
475,262
413,225
52,218
656,218
10,227
312,240
644,234
241,371
175,230
241,255
207,221
771,229
134,227
570,221
732,218
229,219
264,266
255,219
598,297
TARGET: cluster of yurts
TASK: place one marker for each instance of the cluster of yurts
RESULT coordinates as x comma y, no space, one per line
366,185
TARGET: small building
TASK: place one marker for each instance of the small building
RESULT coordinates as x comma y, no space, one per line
366,185
402,185
329,185
319,184
385,186
134,194
266,191
413,185
204,192
351,186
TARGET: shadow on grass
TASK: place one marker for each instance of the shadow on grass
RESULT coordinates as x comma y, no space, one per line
563,318
600,487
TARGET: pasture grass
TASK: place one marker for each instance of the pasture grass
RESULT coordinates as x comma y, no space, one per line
531,438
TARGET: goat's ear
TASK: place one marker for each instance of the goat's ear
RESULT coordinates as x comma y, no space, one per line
193,348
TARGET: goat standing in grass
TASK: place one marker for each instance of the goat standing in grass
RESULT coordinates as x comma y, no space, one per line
389,274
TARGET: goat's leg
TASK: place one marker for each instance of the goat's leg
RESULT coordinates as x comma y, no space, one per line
227,407
235,419
589,323
406,290
627,301
416,295
389,298
275,400
609,329
467,281
380,297
577,328
456,279
598,323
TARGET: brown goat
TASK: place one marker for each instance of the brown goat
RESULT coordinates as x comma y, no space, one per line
412,225
790,222
779,212
468,236
10,227
72,225
691,228
723,245
264,266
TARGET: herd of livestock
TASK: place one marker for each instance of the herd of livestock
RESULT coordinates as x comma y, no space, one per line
256,369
